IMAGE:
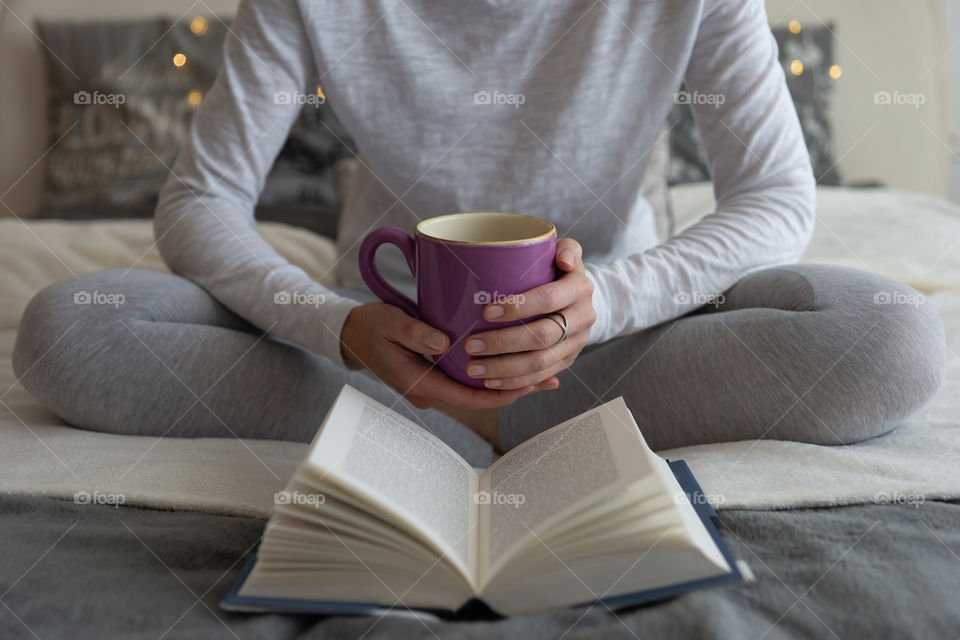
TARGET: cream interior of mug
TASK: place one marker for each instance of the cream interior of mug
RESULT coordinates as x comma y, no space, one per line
485,228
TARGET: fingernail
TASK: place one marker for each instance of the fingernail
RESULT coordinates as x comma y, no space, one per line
493,384
494,311
476,345
476,370
566,257
435,340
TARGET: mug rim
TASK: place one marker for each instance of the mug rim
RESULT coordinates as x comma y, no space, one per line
426,236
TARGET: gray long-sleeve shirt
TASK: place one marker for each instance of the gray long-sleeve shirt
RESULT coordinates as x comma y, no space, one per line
546,109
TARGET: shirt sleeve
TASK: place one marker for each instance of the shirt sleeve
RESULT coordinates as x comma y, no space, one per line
762,180
204,224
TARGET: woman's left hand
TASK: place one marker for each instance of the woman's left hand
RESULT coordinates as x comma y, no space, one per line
530,353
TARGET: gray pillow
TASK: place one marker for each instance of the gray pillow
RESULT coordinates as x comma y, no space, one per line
120,109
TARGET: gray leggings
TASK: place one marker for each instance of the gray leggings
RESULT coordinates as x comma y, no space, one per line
814,353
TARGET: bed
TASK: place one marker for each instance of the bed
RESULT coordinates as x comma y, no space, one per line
136,537
108,535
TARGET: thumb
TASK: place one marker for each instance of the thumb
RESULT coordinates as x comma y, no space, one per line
569,253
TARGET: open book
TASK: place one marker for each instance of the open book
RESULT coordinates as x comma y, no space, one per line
382,511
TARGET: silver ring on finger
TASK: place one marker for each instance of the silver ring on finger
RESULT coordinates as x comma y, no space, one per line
562,323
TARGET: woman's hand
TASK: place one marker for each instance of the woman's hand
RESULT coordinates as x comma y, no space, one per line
382,338
529,354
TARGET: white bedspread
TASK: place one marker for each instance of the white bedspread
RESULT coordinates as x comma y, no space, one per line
911,237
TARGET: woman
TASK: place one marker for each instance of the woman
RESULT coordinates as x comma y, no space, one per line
550,111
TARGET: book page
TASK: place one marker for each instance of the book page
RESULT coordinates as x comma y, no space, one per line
601,515
555,474
404,469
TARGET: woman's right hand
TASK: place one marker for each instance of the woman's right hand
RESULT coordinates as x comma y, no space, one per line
382,338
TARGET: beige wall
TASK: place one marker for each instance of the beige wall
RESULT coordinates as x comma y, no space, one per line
889,46
23,132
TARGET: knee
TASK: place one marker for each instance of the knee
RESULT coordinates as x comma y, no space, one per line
896,366
916,351
60,331
45,320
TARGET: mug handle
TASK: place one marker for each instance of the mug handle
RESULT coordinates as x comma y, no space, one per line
368,269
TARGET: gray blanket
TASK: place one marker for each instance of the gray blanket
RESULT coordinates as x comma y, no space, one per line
96,571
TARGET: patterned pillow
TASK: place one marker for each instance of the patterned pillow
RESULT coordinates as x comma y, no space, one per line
122,95
811,91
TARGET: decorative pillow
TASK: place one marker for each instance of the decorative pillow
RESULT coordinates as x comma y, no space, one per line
811,91
122,95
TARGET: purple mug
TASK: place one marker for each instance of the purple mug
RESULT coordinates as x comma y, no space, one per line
462,262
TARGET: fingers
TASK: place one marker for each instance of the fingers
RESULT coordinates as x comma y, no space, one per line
530,367
553,296
518,364
542,333
535,378
421,382
549,384
434,386
569,254
416,335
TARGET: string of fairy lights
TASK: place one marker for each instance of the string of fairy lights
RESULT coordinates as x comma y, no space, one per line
796,65
199,26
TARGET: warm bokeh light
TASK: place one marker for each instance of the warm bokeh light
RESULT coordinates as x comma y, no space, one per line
194,97
796,67
794,26
835,71
179,60
199,25
320,93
